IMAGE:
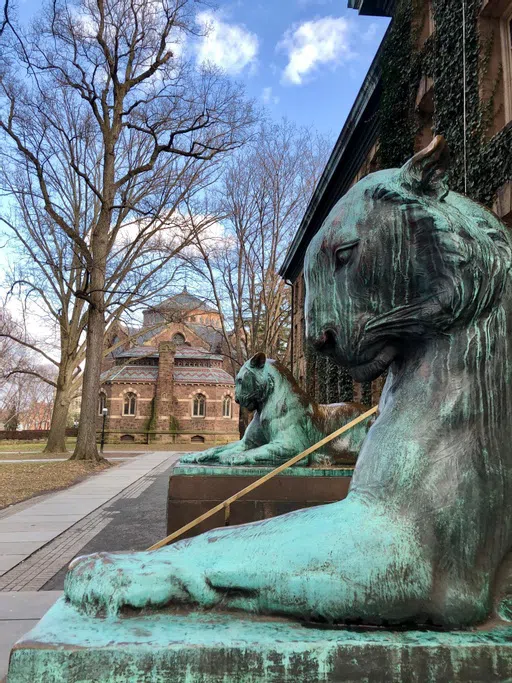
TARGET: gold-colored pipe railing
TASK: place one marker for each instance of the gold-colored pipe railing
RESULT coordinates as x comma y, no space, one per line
225,505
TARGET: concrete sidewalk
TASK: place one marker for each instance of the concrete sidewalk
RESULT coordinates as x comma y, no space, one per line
39,537
19,612
24,532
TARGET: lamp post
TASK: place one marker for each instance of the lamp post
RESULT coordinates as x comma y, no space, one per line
104,411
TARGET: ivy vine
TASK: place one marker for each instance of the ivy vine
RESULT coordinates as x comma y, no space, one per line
401,73
152,420
489,162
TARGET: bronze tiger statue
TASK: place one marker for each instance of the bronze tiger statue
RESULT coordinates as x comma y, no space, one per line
285,422
408,277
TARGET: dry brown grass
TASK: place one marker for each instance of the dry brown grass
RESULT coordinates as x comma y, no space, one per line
32,454
24,480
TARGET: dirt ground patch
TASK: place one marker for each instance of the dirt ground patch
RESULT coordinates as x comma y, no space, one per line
24,480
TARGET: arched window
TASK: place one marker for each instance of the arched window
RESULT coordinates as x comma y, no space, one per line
178,339
130,404
226,406
102,403
199,406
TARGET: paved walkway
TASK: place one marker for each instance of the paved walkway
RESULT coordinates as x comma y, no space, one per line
23,533
123,507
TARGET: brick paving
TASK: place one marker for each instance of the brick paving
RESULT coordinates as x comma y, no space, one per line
40,567
33,538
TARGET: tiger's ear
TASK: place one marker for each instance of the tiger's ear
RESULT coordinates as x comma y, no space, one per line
258,360
425,173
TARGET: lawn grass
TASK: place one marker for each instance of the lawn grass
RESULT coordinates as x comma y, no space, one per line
30,449
8,445
24,480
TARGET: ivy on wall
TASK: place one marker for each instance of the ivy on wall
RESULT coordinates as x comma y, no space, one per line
151,423
366,394
345,386
489,162
310,386
401,74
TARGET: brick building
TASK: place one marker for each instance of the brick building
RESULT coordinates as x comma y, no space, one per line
442,68
170,381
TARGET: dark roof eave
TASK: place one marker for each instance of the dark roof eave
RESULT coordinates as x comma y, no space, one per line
373,8
370,85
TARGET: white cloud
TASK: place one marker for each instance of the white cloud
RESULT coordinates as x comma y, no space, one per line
370,34
231,47
313,43
268,97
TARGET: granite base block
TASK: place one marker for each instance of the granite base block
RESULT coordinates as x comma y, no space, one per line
201,647
195,489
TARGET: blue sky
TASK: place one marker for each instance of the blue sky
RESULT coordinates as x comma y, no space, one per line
305,59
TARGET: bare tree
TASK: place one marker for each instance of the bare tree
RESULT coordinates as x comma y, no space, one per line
141,127
261,198
4,21
26,385
46,273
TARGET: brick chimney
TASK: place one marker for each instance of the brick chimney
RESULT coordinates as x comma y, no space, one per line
164,385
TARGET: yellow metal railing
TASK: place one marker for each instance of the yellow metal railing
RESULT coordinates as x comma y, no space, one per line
225,505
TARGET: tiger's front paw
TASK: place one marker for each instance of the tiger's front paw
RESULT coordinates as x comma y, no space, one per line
205,456
236,459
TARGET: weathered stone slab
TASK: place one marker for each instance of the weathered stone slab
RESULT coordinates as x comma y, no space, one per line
205,647
195,489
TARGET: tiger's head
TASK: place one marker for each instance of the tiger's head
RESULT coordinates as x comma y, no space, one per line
400,259
254,382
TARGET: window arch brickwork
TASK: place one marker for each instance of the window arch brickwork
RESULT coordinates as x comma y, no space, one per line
199,405
227,407
130,403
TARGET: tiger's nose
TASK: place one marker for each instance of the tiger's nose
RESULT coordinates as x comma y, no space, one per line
325,341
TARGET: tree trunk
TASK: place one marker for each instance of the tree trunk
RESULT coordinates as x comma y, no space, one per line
57,437
86,447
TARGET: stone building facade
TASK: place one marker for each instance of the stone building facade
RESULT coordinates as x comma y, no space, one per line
169,383
412,91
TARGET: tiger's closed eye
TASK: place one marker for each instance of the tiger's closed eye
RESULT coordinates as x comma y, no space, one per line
344,253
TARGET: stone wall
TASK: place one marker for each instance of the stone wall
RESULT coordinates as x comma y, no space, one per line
213,427
164,391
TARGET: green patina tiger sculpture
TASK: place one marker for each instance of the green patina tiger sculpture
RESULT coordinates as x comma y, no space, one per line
285,422
409,277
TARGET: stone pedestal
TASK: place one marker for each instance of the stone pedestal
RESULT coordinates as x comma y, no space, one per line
195,489
68,647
